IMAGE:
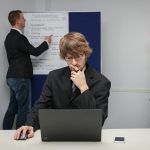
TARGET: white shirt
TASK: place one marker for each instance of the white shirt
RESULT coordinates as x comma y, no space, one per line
18,30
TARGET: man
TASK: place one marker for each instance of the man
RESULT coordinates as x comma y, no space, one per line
20,69
91,87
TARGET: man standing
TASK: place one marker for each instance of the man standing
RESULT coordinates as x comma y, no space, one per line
91,87
20,69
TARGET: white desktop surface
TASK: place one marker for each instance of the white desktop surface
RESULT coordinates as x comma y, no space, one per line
135,139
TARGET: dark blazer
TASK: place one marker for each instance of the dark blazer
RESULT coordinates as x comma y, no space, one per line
57,94
18,51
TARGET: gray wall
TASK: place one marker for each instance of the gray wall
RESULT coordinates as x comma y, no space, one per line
125,54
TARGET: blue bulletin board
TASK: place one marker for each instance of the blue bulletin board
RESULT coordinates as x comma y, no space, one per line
89,24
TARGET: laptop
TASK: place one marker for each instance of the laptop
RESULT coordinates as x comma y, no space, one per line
70,124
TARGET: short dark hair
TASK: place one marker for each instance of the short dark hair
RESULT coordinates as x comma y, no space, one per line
13,16
74,43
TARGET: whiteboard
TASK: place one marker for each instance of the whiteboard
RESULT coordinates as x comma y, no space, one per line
40,25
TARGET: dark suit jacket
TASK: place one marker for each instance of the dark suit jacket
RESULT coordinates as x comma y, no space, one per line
18,51
57,94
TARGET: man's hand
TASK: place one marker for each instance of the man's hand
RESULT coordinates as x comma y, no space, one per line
24,130
49,39
74,68
78,78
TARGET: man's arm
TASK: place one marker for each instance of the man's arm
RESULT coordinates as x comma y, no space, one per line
94,97
45,101
28,48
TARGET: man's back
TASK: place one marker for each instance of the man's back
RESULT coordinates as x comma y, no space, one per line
18,51
20,65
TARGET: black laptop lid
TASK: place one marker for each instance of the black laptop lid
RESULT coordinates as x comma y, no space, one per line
70,124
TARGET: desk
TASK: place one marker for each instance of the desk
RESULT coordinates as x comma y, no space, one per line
136,139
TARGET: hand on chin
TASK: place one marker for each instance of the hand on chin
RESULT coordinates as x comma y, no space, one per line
74,68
